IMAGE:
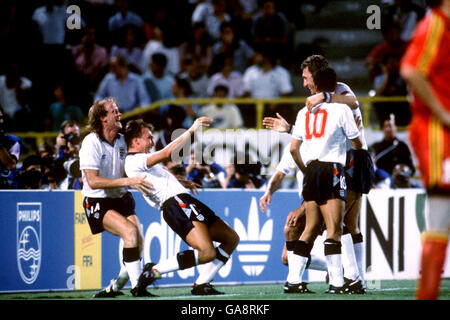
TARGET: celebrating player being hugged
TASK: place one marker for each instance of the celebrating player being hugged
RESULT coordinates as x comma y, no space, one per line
191,219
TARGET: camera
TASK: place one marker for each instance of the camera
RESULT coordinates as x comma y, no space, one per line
73,139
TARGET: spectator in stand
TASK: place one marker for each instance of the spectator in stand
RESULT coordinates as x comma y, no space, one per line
406,13
174,117
10,151
392,45
212,14
129,46
91,59
124,17
391,151
266,79
14,97
125,86
182,89
51,19
390,84
198,44
224,115
270,28
226,76
30,176
157,82
161,44
205,173
230,44
63,108
196,76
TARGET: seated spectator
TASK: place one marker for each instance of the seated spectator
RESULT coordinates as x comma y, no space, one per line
390,84
270,28
14,97
161,44
10,151
401,177
125,86
208,175
51,19
174,116
226,76
157,82
392,45
212,14
90,59
63,109
406,13
199,44
391,151
266,79
124,17
129,46
196,76
230,44
30,176
224,115
182,89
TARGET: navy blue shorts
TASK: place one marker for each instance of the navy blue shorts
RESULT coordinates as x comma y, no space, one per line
323,181
359,171
180,210
96,208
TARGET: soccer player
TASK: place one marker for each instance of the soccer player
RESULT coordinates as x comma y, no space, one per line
359,169
321,137
107,203
191,219
426,68
295,221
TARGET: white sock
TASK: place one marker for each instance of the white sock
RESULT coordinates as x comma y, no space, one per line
318,263
210,269
172,264
296,265
348,257
359,254
335,273
134,269
122,279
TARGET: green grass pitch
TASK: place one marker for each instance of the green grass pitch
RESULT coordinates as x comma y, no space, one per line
379,290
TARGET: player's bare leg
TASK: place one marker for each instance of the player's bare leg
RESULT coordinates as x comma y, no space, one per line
332,212
352,246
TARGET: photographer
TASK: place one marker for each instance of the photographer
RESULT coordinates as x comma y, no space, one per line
66,156
246,175
10,150
207,175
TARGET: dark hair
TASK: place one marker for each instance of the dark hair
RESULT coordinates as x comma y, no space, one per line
325,79
133,129
433,3
221,87
185,85
159,59
314,63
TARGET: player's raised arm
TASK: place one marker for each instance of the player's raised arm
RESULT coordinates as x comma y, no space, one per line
273,185
278,124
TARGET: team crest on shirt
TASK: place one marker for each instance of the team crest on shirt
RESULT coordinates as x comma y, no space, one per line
122,152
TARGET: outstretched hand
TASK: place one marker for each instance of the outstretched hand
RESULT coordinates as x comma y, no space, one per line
278,124
201,122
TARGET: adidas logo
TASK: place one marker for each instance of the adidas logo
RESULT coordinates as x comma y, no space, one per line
254,246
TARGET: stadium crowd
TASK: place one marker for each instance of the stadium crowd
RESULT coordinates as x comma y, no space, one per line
141,52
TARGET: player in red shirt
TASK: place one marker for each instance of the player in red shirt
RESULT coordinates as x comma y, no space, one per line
426,68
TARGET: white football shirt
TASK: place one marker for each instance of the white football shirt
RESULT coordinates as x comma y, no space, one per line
324,132
98,154
165,183
288,165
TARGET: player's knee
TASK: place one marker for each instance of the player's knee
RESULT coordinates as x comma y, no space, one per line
233,239
284,259
130,236
206,254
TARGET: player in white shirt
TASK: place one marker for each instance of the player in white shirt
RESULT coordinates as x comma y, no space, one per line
359,169
191,219
318,150
296,219
108,204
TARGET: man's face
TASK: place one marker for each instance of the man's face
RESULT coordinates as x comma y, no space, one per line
389,129
308,81
145,142
112,118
